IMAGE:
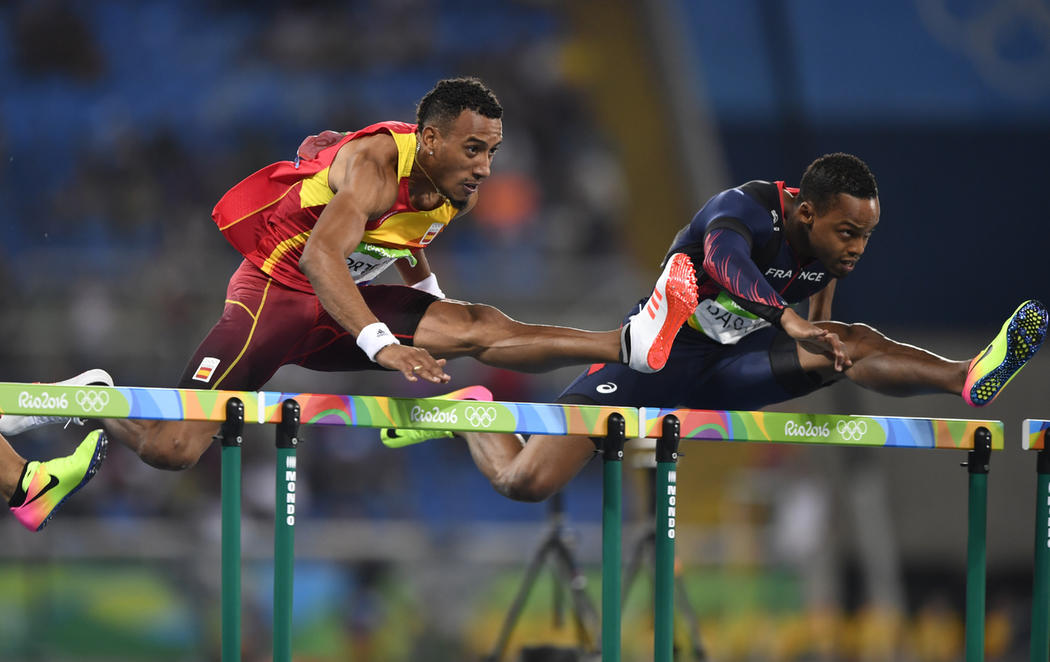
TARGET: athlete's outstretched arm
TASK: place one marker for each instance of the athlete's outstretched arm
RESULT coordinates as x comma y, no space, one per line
727,260
364,178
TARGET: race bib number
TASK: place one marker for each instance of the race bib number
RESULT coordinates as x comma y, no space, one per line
724,321
367,267
369,261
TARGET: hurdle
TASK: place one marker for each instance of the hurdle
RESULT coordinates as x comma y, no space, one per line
979,437
232,409
1035,435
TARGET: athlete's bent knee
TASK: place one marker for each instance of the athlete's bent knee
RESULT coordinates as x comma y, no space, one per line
855,334
485,327
486,324
521,486
170,452
862,340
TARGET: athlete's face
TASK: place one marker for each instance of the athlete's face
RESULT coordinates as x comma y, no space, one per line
839,236
463,152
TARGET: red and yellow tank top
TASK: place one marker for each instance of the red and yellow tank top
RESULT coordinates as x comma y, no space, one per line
269,215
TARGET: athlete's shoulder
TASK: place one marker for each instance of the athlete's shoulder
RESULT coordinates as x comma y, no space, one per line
392,127
751,202
313,146
764,193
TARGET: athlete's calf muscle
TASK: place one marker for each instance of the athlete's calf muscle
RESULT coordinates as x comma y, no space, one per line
170,445
543,467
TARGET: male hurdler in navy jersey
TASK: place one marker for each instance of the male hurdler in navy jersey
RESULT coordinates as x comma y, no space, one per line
759,248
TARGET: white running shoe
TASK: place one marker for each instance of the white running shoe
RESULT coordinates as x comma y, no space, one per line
13,425
647,337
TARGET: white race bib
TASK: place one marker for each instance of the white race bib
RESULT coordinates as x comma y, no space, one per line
724,321
368,261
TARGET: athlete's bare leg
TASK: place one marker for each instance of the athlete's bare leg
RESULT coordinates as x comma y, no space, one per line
531,472
448,329
11,464
887,366
451,329
172,445
545,464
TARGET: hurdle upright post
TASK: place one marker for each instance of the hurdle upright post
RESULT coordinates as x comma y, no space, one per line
976,543
612,534
231,435
1040,646
284,531
666,498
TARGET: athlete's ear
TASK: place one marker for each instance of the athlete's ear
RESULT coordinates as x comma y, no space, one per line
806,213
428,137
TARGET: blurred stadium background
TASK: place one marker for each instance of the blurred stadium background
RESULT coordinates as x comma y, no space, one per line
123,122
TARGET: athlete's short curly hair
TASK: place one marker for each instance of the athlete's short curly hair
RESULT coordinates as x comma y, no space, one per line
452,96
836,173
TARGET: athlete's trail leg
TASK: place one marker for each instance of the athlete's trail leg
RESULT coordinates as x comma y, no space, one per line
11,464
172,445
532,472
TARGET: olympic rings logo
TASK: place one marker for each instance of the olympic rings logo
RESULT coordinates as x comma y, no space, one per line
852,430
481,416
92,401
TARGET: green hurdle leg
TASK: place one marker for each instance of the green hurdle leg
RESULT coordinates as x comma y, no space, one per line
612,535
1040,648
231,436
976,550
284,531
666,505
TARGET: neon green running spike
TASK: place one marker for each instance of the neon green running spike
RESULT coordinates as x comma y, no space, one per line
1017,342
398,438
44,486
395,438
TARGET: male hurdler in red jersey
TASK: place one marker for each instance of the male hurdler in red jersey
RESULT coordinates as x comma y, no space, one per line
269,215
316,230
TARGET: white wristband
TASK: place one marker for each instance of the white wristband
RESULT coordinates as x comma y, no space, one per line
375,337
430,285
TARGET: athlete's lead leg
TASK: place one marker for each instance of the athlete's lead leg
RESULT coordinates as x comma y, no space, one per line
450,329
899,369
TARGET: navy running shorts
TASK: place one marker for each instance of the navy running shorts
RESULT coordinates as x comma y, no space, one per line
760,370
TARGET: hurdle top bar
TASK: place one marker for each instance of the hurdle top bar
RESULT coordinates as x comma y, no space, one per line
316,409
520,417
1033,434
824,429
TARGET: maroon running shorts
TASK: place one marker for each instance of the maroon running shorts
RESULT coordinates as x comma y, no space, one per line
266,325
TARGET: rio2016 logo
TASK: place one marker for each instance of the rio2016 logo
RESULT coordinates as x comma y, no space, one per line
479,417
91,402
434,415
806,430
42,401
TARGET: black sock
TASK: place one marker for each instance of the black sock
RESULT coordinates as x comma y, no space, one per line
19,495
